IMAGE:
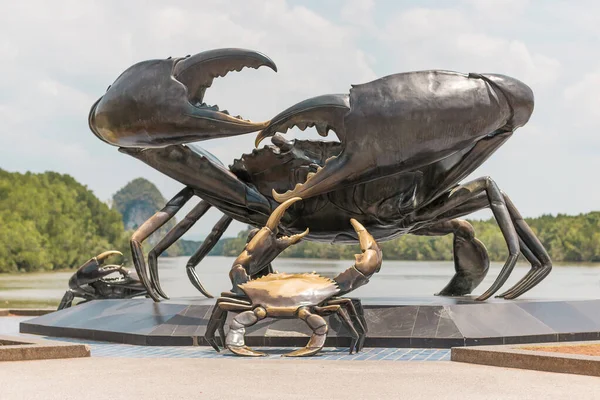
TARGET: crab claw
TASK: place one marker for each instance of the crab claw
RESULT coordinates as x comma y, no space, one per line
156,103
369,261
398,124
273,221
366,264
94,269
264,246
325,113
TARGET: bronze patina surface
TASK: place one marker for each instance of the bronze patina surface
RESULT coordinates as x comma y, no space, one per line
93,281
289,290
406,143
308,297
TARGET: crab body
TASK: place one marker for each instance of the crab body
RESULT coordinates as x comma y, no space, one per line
282,294
308,297
387,206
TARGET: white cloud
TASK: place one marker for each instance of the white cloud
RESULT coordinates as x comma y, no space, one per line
429,37
585,95
358,12
58,57
494,10
55,70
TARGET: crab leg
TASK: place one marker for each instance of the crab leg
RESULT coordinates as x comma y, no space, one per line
209,243
151,226
317,340
237,329
350,326
463,193
174,234
67,300
346,321
536,268
360,312
358,321
218,318
471,260
527,240
533,250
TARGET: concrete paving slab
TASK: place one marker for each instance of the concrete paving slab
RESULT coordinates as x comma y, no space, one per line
513,356
19,348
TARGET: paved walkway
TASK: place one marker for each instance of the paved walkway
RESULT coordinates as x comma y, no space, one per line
155,378
116,372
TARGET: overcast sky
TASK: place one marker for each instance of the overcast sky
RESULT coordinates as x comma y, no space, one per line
58,57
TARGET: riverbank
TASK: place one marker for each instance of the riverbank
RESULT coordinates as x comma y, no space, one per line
33,290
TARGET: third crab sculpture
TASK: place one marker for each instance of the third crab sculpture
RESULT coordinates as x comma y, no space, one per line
282,295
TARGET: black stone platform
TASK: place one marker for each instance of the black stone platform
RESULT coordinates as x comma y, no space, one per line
410,322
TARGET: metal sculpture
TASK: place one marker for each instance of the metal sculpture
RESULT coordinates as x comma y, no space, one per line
308,297
92,281
405,143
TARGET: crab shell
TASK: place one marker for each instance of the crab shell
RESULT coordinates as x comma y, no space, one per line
281,294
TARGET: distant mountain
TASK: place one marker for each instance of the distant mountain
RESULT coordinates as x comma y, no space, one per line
136,202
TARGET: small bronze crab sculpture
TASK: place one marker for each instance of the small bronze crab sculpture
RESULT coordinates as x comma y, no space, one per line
406,141
308,297
92,281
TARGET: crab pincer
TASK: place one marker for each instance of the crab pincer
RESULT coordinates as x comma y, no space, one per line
94,280
94,269
159,102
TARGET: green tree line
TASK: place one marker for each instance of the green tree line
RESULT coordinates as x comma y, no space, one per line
49,221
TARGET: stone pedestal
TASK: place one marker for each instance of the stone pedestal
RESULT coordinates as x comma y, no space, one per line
435,322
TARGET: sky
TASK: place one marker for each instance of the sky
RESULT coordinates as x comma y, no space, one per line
57,58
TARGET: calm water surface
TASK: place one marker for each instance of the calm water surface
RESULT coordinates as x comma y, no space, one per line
396,279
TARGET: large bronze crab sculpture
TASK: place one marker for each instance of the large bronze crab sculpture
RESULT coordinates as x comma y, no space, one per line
308,297
405,143
94,280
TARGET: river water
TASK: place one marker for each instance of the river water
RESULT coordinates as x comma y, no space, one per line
396,279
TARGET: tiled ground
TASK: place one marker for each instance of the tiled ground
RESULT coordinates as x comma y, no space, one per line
100,349
10,326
